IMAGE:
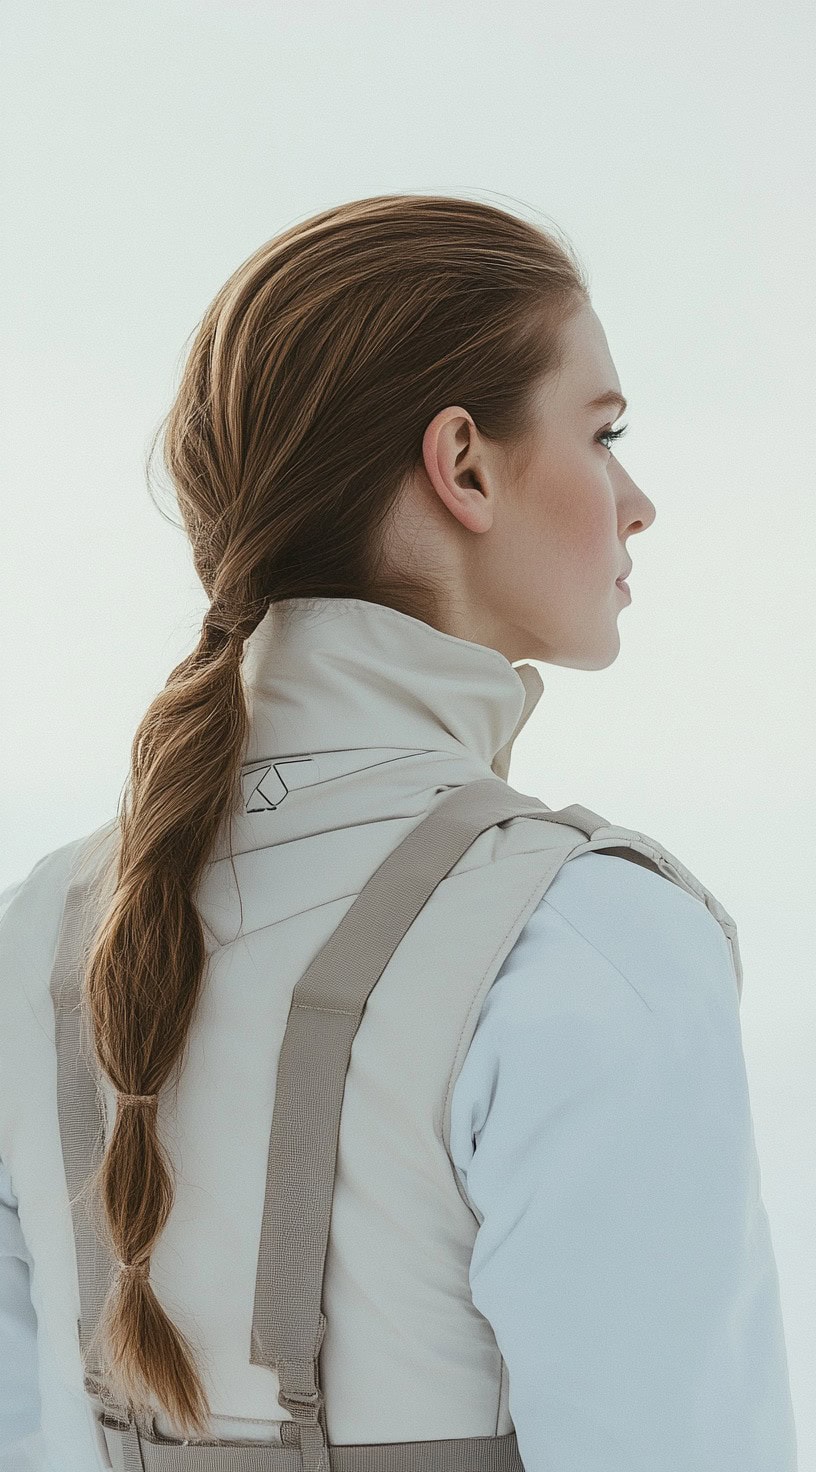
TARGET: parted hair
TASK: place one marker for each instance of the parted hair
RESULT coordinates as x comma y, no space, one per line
299,417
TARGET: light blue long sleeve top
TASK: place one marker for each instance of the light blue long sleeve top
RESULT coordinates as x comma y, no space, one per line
601,1126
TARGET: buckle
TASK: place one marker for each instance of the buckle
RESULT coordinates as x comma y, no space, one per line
291,1402
295,1403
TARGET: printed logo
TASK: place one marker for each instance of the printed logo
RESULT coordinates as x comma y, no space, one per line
264,789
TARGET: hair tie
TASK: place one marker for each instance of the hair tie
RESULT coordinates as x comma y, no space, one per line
213,625
140,1268
216,618
136,1098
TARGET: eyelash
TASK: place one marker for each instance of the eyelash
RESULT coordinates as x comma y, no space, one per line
612,434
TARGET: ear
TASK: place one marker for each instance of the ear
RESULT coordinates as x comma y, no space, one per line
454,457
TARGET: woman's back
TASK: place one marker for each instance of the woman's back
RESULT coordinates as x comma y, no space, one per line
618,1297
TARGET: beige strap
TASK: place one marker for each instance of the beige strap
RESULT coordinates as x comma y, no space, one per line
327,1006
459,1454
81,1113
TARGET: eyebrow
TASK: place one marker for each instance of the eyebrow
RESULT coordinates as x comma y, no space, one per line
610,397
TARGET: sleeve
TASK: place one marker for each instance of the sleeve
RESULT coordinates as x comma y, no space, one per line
19,1381
602,1128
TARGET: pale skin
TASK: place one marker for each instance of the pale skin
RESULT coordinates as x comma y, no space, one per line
531,563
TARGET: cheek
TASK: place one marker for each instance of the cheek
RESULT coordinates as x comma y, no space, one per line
594,537
580,518
561,538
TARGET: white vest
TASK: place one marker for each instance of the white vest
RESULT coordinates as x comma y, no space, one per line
363,720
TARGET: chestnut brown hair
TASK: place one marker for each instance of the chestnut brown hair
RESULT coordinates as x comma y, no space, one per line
300,414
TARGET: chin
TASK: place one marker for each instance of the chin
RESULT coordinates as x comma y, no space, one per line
598,657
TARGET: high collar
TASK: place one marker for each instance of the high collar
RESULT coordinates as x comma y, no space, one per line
330,674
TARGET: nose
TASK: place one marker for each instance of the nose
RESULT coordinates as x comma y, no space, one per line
637,505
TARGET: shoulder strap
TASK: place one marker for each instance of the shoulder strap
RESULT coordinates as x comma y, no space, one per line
80,1102
327,1005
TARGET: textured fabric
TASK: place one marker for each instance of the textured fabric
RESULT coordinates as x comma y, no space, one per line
459,1455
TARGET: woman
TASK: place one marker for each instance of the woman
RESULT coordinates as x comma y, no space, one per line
500,1059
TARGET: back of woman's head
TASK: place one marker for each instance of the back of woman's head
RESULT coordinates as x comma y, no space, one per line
299,417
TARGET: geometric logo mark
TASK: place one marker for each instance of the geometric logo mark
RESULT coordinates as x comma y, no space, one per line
263,789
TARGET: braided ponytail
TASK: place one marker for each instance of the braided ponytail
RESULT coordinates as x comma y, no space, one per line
140,1012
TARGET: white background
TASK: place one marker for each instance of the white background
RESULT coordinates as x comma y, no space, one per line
150,147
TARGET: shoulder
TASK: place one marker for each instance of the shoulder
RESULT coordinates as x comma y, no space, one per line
607,925
617,977
48,878
31,912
